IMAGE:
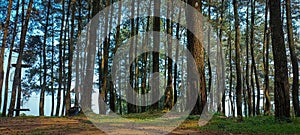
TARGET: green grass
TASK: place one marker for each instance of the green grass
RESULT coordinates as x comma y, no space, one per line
256,125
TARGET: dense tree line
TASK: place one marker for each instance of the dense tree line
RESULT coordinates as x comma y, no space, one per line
259,40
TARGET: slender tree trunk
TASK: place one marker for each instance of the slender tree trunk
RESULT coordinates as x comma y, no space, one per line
247,64
104,86
3,49
52,73
253,92
208,61
60,69
281,86
145,56
253,58
4,108
169,89
222,79
230,77
64,70
131,107
115,50
176,57
238,59
77,81
137,90
112,95
42,95
17,79
267,109
71,48
295,87
155,54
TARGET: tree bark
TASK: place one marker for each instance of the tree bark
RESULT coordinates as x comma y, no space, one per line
196,48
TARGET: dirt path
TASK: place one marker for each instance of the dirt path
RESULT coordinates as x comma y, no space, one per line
71,126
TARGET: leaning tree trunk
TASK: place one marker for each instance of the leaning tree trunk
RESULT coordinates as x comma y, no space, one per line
4,108
281,85
17,79
295,88
3,49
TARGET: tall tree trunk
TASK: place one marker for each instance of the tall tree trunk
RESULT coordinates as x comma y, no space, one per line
136,85
176,57
267,108
77,79
145,56
52,73
118,34
195,46
222,79
104,85
253,92
295,88
42,95
231,77
91,51
71,46
208,61
247,64
17,79
112,95
281,85
64,70
169,89
155,55
253,58
129,94
60,69
4,108
3,49
238,59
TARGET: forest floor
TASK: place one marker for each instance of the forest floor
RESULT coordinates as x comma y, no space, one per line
82,126
72,126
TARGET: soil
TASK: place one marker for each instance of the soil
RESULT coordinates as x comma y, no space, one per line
70,126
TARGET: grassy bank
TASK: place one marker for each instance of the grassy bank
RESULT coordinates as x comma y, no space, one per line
252,125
